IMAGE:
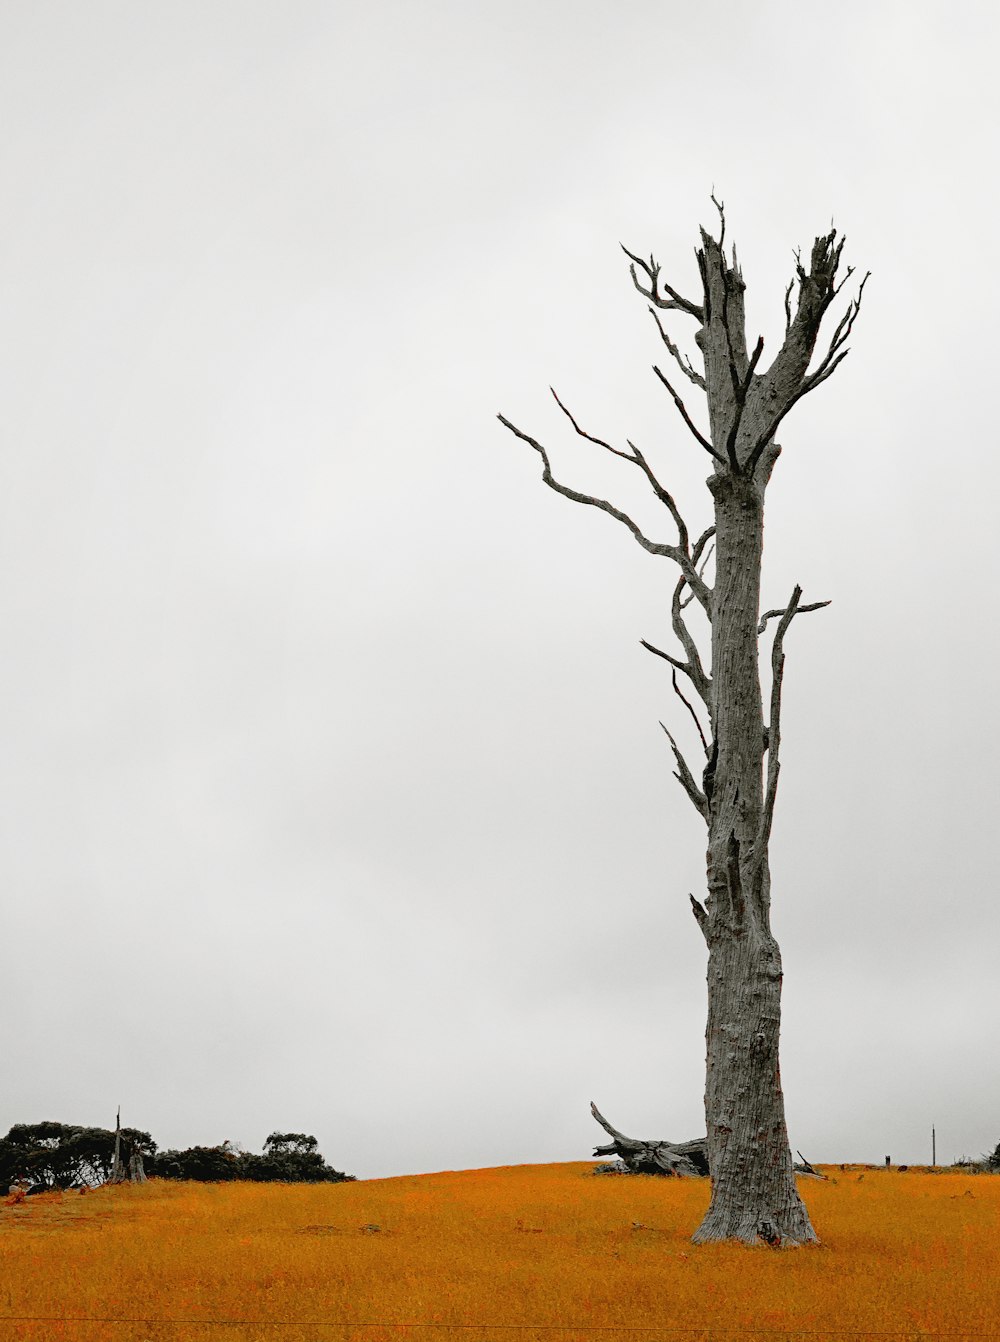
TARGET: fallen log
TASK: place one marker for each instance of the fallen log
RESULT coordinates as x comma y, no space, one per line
673,1159
684,1160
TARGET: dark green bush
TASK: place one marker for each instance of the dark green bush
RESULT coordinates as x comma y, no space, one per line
61,1155
289,1157
208,1164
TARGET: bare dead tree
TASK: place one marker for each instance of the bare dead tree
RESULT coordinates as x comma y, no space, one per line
126,1163
754,1196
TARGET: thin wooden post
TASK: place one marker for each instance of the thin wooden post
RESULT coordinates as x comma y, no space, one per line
933,1146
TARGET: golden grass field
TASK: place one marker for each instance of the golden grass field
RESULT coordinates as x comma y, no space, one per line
525,1253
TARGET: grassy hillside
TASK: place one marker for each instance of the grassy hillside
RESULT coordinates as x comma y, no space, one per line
527,1252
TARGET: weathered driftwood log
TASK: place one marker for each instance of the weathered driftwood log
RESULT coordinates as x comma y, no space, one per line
668,1158
673,1159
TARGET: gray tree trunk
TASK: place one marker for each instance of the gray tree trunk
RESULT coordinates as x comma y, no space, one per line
754,1196
753,1186
126,1163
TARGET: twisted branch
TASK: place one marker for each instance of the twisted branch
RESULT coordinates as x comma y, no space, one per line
652,273
684,364
679,552
637,459
653,547
799,610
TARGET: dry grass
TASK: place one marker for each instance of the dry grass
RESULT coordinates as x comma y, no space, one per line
548,1252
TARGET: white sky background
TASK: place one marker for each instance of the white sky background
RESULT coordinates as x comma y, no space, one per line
333,795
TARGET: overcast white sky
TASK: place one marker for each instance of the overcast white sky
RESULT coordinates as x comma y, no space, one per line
333,795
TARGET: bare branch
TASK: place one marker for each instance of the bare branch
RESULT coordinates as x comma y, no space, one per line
652,272
787,380
684,364
688,599
774,734
701,915
800,610
695,671
589,436
629,1143
847,275
734,374
699,546
840,337
722,219
758,449
754,361
662,494
671,551
788,309
636,458
674,661
684,777
687,704
692,668
740,388
821,374
687,418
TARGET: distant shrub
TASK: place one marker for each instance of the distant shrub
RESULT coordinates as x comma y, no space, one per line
207,1164
292,1158
289,1157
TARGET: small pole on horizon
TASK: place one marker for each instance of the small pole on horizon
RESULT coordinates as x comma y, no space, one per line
933,1147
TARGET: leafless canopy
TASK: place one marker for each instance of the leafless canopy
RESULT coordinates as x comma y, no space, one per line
747,402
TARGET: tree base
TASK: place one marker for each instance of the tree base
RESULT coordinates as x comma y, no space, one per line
753,1220
790,1229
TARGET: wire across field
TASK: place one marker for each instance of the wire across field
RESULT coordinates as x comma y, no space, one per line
528,1252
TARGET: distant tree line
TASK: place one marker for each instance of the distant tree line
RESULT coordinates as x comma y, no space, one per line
62,1155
